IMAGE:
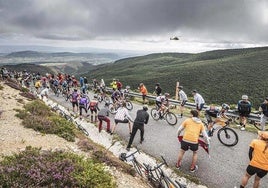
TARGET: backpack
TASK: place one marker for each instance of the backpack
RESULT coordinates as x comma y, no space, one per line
244,107
92,105
83,101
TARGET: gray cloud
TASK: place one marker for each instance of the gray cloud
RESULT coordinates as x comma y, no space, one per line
195,20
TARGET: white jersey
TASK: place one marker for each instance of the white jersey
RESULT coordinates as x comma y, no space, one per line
183,96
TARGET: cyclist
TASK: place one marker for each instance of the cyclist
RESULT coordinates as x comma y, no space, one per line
116,95
183,99
162,103
125,92
244,109
219,116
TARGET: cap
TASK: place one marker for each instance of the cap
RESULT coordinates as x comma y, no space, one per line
245,97
180,87
263,135
194,91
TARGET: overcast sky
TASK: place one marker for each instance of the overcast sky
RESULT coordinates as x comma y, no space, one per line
147,25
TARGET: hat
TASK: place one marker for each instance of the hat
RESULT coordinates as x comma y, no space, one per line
266,98
244,97
194,91
263,135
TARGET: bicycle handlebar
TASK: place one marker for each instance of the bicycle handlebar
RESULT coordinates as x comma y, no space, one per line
132,154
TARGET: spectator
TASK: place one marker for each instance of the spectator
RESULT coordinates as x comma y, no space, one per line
75,96
183,99
93,106
142,118
44,92
103,115
199,101
83,103
244,109
122,116
192,128
258,156
264,116
143,91
158,89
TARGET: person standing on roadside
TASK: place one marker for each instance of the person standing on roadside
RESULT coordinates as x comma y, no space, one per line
258,156
199,101
143,91
192,128
244,109
103,115
183,99
122,116
158,89
264,116
142,118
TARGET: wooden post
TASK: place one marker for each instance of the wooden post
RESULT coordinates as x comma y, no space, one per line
177,93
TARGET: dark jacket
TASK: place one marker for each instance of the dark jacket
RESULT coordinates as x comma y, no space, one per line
142,117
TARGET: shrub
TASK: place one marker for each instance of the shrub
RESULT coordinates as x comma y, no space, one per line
38,116
34,168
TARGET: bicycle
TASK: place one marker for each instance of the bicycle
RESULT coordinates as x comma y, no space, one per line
113,107
155,175
103,97
170,117
226,135
81,128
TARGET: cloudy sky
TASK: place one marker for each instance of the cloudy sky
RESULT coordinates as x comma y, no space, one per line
145,25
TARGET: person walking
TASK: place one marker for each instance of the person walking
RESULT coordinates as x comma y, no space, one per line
258,156
244,109
122,116
83,104
199,101
183,99
264,116
103,115
143,91
142,118
94,108
192,128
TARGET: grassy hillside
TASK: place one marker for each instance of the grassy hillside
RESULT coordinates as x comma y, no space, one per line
220,76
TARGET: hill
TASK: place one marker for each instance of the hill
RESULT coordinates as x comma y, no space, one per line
220,75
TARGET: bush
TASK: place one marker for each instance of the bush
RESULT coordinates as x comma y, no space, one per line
34,168
38,116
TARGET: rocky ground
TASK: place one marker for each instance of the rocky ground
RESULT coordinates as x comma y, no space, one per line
14,137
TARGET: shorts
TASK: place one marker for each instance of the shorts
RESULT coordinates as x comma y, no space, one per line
186,145
183,102
201,107
121,121
251,170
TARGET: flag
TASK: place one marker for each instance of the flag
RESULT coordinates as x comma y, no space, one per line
201,143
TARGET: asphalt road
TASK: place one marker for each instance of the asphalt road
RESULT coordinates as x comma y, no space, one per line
223,169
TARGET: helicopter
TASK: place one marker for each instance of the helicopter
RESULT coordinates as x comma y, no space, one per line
174,38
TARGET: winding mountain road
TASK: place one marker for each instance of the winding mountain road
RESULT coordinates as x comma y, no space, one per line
223,169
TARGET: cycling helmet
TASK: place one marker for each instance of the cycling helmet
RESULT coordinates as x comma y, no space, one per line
166,94
225,106
244,97
127,87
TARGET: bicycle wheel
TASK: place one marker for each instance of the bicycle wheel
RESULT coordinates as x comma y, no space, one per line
112,109
139,168
227,136
155,114
166,182
129,105
171,118
83,130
